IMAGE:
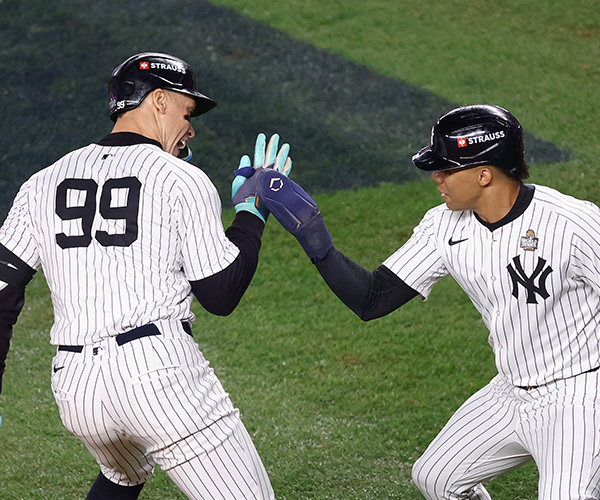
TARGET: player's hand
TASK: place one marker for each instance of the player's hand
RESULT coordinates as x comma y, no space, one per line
296,211
243,188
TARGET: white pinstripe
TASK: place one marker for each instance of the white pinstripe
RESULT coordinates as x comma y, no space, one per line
540,300
99,291
154,400
502,427
533,343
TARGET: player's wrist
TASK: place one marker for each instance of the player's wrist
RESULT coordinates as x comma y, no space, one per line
250,206
296,211
314,237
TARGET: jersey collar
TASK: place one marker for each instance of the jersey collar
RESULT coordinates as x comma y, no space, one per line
126,139
522,202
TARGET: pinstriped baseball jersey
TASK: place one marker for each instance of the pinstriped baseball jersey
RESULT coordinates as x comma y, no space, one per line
535,279
148,222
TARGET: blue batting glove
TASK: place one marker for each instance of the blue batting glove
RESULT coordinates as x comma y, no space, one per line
296,211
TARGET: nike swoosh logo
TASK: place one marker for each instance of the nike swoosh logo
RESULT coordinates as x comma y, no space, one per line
56,368
452,242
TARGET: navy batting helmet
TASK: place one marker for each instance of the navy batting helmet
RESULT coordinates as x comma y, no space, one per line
478,134
139,75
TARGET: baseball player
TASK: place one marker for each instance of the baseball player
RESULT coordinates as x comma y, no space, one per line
126,232
528,257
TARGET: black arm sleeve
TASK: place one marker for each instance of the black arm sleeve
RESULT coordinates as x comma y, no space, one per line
369,294
11,302
220,293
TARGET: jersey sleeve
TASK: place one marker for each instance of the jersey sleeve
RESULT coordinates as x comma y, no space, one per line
220,293
19,259
205,247
586,247
418,262
19,252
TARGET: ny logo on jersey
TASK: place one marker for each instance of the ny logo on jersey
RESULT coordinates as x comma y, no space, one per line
518,276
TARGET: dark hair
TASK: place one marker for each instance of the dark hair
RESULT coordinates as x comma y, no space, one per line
522,173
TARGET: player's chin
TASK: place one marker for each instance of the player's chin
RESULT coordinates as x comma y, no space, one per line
446,199
177,148
176,152
452,205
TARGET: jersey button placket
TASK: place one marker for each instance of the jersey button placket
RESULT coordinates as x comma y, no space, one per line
494,249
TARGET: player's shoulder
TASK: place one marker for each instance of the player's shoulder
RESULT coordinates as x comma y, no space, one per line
579,216
185,170
441,214
438,220
150,162
188,177
58,166
564,204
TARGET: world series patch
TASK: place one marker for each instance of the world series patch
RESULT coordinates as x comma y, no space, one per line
529,242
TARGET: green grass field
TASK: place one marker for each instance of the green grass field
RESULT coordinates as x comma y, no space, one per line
338,408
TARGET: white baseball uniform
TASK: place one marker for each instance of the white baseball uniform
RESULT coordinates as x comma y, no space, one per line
535,278
120,230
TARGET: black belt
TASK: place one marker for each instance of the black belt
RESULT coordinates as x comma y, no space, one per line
123,338
530,387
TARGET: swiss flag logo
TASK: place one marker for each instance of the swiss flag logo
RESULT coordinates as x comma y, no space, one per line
144,65
462,142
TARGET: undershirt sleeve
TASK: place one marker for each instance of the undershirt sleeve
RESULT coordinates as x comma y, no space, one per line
11,302
369,294
221,292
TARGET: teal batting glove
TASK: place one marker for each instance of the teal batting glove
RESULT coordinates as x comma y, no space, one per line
243,187
269,157
243,190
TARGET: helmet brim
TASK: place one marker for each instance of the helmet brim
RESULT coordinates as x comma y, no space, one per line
203,103
430,161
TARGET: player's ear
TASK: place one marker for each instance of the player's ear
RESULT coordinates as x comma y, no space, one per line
158,98
485,176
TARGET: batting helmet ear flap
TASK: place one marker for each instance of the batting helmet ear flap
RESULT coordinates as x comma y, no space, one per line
127,87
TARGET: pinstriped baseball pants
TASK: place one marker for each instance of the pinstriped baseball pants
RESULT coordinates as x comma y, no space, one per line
156,400
502,427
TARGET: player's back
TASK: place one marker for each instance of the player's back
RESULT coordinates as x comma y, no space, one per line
107,225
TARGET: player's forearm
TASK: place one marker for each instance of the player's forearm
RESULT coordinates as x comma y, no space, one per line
246,232
220,293
5,336
11,303
369,294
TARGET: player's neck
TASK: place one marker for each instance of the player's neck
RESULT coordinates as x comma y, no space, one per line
498,201
137,124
